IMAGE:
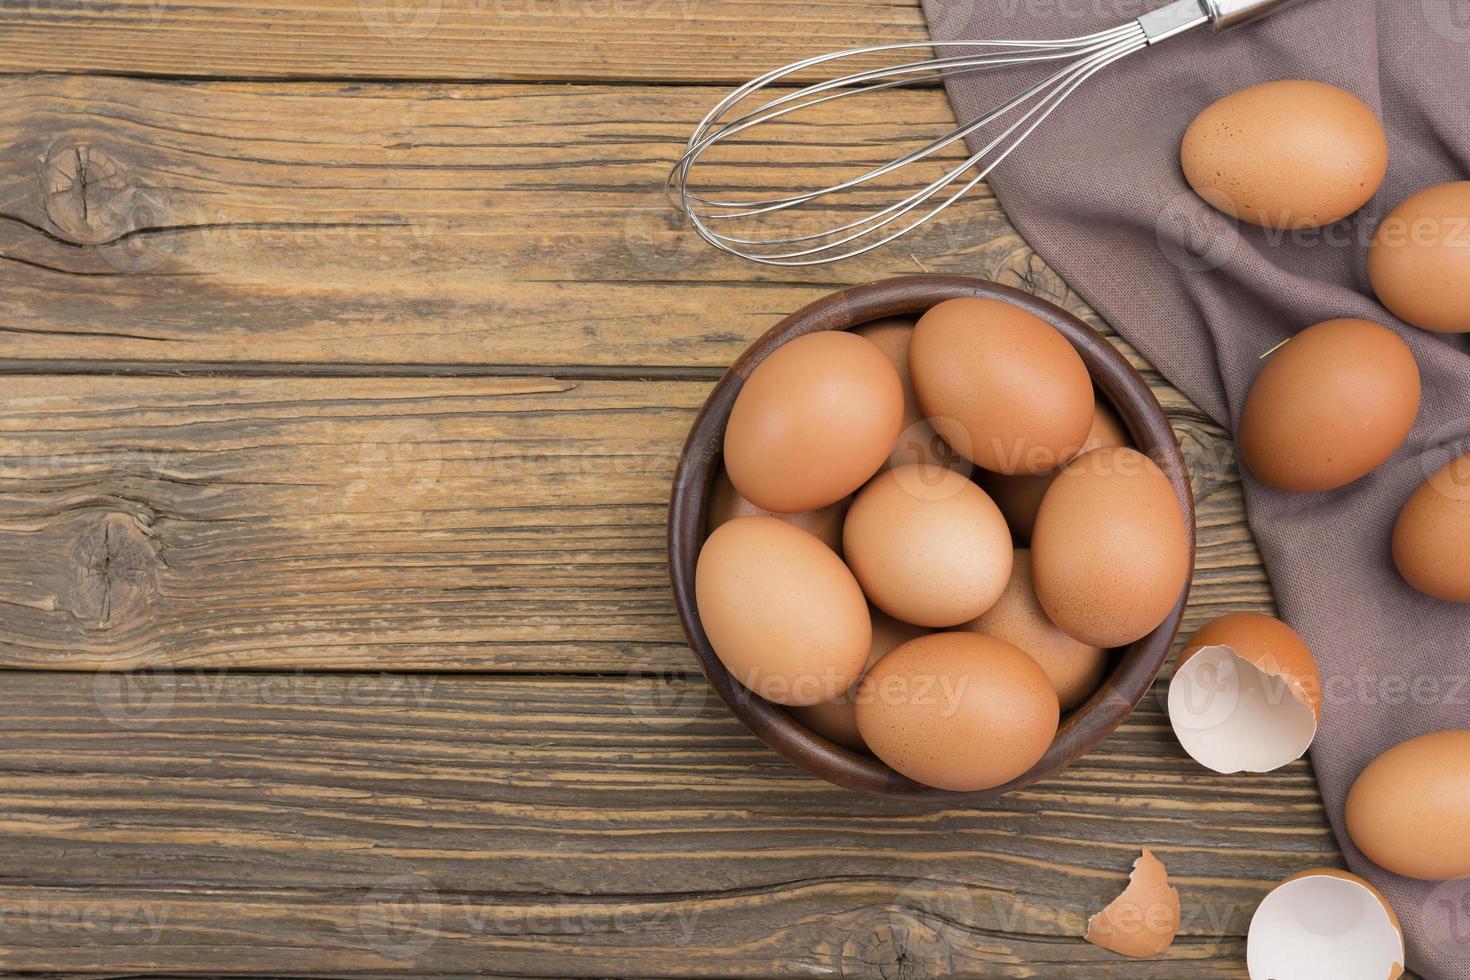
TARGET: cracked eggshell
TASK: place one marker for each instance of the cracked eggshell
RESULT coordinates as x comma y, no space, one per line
1246,695
1325,924
1142,921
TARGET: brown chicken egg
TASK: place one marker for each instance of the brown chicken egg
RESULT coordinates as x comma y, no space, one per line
814,420
836,720
928,546
726,504
1419,263
1431,541
781,610
1074,668
958,711
1409,810
1290,154
1003,387
1019,497
1330,406
1110,554
917,442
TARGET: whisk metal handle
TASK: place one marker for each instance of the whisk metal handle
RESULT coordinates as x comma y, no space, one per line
1186,15
1232,13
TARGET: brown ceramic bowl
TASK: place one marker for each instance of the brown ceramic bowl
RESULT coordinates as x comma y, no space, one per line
1131,670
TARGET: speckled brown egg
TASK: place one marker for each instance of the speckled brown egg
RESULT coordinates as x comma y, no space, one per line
917,442
1330,406
1431,541
928,546
726,504
1003,387
1409,811
836,720
1419,263
781,610
1074,668
958,711
1290,154
1110,554
1019,497
814,420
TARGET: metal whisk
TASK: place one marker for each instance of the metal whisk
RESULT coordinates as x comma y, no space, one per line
728,224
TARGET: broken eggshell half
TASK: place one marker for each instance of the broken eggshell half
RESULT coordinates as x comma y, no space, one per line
1325,924
1246,695
1142,921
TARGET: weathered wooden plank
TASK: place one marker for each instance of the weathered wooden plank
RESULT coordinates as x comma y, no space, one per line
367,524
421,224
558,40
623,825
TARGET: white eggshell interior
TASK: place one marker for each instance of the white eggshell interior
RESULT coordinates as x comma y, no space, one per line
1231,716
1323,928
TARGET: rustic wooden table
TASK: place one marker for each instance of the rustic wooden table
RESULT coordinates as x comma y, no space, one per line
347,351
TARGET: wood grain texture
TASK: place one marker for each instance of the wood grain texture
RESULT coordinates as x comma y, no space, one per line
427,224
371,524
619,825
560,40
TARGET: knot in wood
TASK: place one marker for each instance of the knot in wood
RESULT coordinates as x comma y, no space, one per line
896,946
115,578
87,192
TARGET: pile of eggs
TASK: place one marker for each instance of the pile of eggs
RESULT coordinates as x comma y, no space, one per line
856,573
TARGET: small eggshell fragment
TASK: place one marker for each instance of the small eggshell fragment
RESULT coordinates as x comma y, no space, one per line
1142,921
928,546
917,442
1419,262
836,720
1409,810
813,421
958,711
726,504
1002,386
1019,497
1246,695
1110,553
781,610
1325,924
1431,540
1330,406
1073,668
1288,154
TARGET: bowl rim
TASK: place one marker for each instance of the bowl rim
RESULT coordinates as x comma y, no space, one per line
1126,684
